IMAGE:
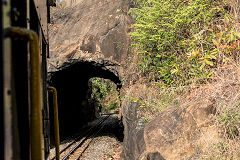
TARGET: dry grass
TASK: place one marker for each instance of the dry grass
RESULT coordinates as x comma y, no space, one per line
235,10
224,91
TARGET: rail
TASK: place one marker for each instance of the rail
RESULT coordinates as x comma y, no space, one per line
80,139
88,134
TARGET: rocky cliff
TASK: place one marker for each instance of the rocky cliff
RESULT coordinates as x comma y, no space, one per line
91,39
90,31
87,40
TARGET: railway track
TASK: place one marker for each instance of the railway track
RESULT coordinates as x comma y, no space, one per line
80,139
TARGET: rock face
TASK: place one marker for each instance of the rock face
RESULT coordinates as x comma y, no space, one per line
91,31
177,133
88,39
133,144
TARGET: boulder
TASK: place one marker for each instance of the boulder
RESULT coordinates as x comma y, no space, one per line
133,143
178,133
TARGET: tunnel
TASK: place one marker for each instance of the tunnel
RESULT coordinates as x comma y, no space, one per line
72,86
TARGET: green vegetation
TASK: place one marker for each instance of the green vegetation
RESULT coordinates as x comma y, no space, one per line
230,121
186,46
182,40
104,94
61,4
148,108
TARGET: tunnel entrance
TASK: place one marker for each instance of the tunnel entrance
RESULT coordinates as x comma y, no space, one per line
104,95
73,84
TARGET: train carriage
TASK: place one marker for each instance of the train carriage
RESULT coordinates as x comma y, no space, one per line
24,105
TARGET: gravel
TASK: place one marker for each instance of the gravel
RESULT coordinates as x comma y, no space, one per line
103,146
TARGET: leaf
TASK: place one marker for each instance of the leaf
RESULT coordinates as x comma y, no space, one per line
209,62
213,57
215,43
207,57
224,46
215,51
232,37
209,74
202,66
226,18
174,71
237,34
210,29
194,53
219,27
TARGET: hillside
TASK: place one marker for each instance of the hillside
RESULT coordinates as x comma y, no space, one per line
179,66
184,77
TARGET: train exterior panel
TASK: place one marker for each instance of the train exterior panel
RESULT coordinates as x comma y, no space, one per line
21,21
43,13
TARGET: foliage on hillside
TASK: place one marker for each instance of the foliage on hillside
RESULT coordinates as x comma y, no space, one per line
181,41
104,93
191,48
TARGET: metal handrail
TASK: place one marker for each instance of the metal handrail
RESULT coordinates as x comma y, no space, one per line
56,122
35,88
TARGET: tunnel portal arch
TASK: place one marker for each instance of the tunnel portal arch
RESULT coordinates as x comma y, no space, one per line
71,83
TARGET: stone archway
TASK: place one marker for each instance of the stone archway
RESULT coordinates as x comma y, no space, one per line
71,83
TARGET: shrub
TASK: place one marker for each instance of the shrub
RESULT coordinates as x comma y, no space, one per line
104,93
179,40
